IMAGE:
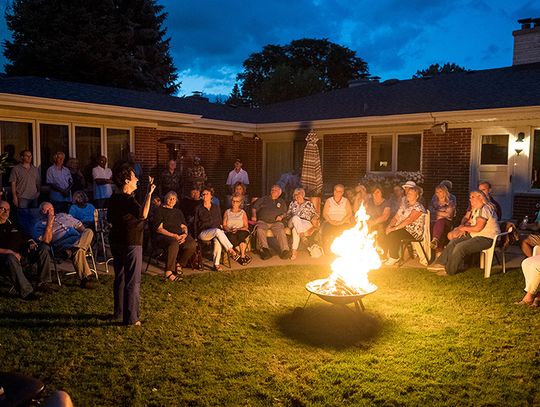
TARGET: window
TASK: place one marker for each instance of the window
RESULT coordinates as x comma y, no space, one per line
396,152
52,138
494,150
14,137
381,153
535,151
117,146
88,149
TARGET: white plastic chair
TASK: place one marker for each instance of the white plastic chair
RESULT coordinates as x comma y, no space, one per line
486,257
536,250
421,247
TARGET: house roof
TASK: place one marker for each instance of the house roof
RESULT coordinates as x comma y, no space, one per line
515,86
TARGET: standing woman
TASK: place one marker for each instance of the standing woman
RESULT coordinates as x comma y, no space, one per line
127,218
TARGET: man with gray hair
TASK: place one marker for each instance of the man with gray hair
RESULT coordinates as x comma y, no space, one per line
68,235
269,212
60,180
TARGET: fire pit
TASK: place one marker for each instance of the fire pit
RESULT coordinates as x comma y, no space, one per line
356,256
343,296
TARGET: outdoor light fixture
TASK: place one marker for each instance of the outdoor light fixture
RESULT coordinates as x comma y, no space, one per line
519,139
439,128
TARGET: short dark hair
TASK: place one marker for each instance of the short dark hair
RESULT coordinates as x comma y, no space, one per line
25,151
123,174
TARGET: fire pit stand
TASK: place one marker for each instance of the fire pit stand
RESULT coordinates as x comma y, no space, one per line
336,299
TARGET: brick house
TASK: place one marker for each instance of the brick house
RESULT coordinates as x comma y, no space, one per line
466,127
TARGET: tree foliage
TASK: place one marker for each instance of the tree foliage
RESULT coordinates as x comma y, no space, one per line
109,42
436,69
301,68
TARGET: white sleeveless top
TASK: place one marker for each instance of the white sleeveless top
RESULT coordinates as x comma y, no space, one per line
336,211
235,219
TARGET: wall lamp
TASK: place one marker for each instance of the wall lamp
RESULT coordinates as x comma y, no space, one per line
518,148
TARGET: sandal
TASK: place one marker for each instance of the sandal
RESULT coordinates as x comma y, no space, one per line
218,267
235,256
171,277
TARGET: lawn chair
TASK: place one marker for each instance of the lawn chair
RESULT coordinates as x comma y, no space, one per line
501,242
101,226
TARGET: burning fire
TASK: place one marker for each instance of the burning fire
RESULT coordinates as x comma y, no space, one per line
357,255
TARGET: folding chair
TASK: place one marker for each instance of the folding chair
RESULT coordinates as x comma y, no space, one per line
102,236
421,246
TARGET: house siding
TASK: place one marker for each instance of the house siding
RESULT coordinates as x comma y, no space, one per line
217,153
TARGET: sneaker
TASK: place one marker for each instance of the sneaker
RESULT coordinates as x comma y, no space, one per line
434,243
391,261
285,255
435,267
265,253
247,260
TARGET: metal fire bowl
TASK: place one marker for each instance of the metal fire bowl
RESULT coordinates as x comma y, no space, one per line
312,286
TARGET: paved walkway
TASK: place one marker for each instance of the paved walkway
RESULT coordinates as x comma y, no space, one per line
514,257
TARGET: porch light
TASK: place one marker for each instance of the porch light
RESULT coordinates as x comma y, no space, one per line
518,148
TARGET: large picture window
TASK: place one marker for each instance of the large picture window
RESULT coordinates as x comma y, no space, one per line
400,152
535,152
87,148
52,139
494,150
117,146
14,137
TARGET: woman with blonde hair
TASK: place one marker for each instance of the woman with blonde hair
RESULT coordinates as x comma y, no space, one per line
475,235
442,210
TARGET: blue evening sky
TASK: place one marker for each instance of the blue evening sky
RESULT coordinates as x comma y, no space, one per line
210,39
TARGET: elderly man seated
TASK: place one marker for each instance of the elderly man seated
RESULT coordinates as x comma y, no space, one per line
172,234
68,235
269,212
17,249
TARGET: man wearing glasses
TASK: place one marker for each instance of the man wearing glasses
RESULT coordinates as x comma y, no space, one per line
25,182
17,250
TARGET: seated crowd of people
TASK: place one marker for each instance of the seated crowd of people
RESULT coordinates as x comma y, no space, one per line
181,225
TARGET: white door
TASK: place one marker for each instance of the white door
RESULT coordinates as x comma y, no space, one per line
494,166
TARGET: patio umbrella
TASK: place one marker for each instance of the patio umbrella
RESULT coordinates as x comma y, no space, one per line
311,177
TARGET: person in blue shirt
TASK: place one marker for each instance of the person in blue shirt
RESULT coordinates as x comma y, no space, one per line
82,210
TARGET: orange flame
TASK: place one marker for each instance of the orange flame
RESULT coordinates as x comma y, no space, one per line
357,255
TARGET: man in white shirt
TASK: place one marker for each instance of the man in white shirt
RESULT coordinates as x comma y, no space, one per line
60,180
102,183
237,175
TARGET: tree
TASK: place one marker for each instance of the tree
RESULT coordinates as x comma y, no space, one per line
108,42
301,68
235,98
436,69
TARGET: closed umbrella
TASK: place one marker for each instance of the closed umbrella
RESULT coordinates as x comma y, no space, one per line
311,167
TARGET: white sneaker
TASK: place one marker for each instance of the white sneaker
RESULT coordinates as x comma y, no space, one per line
391,261
436,267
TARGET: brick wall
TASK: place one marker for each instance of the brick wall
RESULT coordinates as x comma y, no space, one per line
344,159
448,156
217,153
525,205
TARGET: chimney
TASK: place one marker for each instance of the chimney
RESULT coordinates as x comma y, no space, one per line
527,42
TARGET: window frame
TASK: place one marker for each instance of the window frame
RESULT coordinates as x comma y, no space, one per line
395,136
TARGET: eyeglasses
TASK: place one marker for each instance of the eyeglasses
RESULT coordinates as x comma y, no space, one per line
4,209
236,201
205,193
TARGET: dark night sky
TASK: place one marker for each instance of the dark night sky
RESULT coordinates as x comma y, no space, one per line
211,39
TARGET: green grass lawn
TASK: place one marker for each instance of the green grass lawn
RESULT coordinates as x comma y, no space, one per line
240,339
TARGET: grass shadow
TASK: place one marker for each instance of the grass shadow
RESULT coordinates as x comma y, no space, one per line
330,326
16,319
